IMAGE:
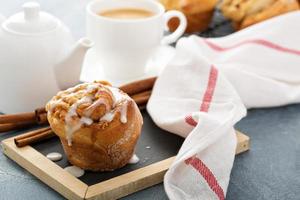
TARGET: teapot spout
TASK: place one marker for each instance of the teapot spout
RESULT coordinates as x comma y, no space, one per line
68,70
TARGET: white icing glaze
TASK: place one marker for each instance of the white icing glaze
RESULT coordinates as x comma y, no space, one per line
108,117
70,90
54,156
97,103
134,159
123,111
86,120
54,104
70,129
75,171
73,108
72,125
117,95
91,87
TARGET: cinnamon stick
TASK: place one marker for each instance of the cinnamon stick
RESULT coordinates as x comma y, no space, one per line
40,111
141,100
142,94
34,136
32,133
12,122
41,115
15,118
22,117
41,118
14,126
138,86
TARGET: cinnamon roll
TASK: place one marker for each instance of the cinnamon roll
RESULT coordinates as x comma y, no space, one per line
244,13
198,13
98,125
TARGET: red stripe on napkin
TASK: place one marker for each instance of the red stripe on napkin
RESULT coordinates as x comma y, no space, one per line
212,81
207,97
261,42
194,161
189,119
207,175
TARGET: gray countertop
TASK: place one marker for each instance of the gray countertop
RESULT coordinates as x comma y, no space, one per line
270,170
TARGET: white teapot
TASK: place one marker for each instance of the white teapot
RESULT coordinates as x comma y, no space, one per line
38,57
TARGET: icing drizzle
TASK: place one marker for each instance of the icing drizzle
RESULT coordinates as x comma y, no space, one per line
134,159
73,125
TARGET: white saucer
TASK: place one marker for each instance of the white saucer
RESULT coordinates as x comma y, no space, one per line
92,69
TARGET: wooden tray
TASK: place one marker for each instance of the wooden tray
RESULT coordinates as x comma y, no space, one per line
156,149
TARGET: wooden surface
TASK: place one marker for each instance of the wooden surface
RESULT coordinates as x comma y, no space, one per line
131,182
45,170
72,188
243,143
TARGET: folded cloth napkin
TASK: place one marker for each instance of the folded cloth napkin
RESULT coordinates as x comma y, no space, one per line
205,90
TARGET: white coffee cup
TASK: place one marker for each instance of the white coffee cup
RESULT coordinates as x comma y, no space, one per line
123,46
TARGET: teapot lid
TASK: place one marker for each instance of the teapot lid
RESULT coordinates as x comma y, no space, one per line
31,21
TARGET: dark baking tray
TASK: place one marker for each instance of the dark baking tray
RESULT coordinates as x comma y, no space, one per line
153,145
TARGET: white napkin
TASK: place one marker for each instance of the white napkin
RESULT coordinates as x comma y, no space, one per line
198,97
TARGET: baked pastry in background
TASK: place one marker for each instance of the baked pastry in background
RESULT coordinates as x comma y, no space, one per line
198,13
98,125
244,13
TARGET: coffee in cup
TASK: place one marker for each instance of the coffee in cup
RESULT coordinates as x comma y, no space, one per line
126,13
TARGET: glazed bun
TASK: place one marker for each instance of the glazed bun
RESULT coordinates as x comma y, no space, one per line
198,13
98,125
244,13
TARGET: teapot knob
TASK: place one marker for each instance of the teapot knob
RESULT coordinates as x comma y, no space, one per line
31,10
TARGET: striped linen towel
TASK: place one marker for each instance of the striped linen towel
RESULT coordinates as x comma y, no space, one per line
205,90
